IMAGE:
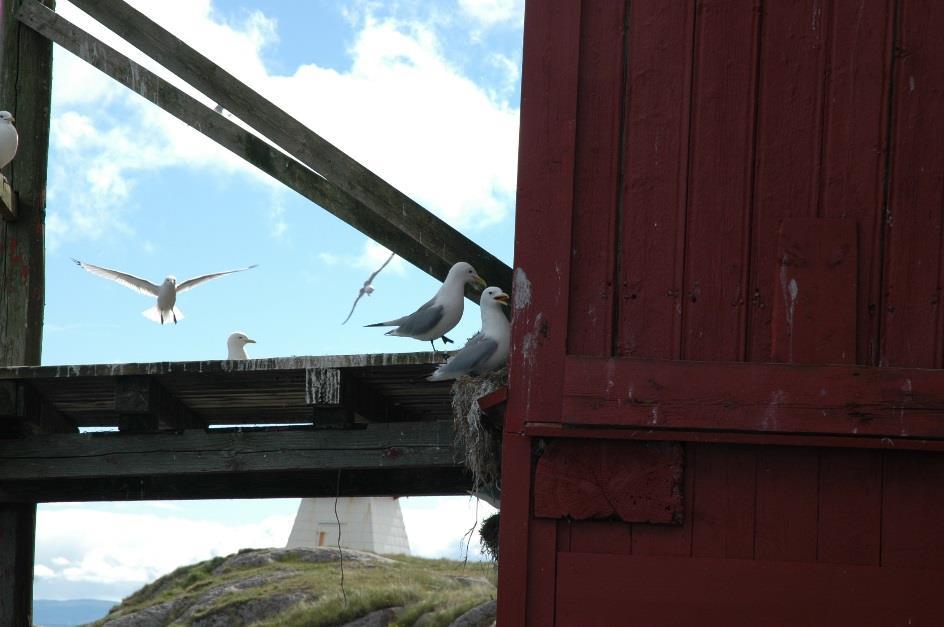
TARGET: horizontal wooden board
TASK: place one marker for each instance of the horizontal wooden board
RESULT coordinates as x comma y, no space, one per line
593,589
755,397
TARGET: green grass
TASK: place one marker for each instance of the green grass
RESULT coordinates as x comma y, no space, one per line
436,590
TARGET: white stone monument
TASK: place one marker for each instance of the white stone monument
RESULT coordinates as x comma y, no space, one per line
367,523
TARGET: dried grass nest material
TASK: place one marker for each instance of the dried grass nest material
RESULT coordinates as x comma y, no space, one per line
481,443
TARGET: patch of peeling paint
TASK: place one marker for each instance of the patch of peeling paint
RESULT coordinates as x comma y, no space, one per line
520,290
769,420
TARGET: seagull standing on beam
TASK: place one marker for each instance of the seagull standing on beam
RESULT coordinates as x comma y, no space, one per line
442,312
368,288
166,292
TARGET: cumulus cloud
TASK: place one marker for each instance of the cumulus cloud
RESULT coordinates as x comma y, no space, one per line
439,526
400,108
491,12
75,544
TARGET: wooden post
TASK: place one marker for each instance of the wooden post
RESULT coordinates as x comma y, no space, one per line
25,89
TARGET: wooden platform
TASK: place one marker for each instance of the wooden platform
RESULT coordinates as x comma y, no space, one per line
301,426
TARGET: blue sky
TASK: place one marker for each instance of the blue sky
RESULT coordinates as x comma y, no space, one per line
424,93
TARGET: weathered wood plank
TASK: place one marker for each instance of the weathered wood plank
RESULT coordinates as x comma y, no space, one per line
425,255
143,404
109,455
409,219
25,91
769,398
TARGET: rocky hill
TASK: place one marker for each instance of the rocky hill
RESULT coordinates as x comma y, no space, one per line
302,588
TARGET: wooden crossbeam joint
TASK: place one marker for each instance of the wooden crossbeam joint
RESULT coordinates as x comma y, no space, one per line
373,406
143,404
324,392
24,411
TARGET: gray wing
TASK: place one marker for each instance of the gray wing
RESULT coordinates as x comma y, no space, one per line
128,280
351,313
189,284
473,355
420,321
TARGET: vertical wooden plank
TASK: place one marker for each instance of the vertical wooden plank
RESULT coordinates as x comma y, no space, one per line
723,504
601,536
855,146
670,539
597,177
850,506
911,327
912,510
789,129
786,504
540,292
815,306
722,137
655,164
25,89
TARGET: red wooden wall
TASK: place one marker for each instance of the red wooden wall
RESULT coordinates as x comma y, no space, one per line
728,181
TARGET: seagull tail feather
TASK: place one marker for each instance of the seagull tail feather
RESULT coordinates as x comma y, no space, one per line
154,314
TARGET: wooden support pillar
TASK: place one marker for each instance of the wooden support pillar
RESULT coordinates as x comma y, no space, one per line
324,392
25,88
143,404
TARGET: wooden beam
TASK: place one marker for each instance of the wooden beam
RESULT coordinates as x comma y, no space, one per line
408,227
143,404
227,134
25,91
666,395
48,466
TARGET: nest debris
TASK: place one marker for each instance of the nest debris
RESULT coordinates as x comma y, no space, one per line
480,441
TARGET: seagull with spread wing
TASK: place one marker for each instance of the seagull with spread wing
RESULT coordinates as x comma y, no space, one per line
166,292
442,312
368,288
487,350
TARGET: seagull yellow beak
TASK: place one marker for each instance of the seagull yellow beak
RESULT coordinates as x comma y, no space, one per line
480,282
248,341
503,298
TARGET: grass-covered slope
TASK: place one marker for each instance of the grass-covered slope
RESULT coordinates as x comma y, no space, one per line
302,588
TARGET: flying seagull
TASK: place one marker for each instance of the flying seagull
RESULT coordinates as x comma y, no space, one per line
487,350
8,138
166,292
441,313
235,345
368,288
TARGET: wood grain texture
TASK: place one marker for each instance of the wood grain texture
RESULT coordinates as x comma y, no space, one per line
25,91
724,501
599,479
652,226
912,510
849,528
593,589
408,218
774,398
598,160
912,333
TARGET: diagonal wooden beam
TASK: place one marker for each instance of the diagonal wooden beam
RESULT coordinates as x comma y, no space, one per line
224,132
406,215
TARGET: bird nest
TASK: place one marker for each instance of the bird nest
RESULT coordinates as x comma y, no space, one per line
480,440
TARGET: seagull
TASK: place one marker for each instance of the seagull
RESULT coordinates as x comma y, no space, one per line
235,345
487,350
368,288
8,138
166,292
443,312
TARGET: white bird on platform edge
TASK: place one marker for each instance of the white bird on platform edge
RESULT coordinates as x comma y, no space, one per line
236,345
487,350
442,312
9,138
166,292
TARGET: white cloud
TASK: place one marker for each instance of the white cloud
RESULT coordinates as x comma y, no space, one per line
85,545
491,12
401,109
439,526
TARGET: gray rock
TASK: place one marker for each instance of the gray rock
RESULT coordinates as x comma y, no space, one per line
250,611
250,559
479,616
153,616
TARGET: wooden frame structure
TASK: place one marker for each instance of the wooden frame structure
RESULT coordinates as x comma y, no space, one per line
353,430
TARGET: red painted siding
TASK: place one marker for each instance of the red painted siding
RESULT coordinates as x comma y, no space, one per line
719,181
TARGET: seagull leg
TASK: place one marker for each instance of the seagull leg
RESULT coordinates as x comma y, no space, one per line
175,317
161,314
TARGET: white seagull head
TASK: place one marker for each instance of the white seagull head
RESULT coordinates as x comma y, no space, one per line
465,273
494,297
235,344
6,117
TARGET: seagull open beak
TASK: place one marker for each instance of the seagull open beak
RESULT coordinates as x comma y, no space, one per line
503,298
480,282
